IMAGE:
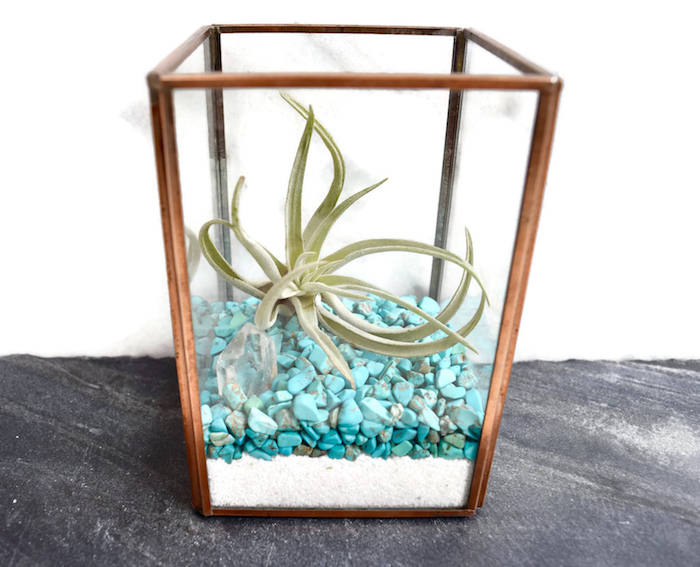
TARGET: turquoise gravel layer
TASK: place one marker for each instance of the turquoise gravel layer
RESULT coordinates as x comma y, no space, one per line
418,408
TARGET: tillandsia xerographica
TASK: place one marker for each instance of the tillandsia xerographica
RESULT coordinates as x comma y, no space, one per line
306,284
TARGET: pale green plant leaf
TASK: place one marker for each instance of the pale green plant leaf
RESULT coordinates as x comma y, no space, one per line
307,315
329,202
299,285
283,288
264,259
420,331
318,237
219,263
294,243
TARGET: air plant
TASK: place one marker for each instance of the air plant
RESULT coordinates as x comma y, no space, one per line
306,283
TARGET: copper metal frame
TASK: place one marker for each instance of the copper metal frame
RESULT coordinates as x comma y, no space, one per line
162,80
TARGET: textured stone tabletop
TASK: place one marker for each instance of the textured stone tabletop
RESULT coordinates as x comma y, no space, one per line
598,463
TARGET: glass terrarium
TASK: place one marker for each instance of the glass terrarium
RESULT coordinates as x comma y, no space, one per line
349,215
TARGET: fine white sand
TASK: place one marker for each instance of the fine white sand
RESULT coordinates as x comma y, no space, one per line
306,482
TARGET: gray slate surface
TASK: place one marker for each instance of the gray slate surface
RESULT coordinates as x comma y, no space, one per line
598,463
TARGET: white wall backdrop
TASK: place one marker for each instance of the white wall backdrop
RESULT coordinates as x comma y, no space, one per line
615,272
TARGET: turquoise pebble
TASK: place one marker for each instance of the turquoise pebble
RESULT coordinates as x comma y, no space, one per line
360,439
371,428
350,414
332,437
349,429
423,431
219,439
217,345
401,435
448,451
319,359
334,383
360,374
266,397
286,451
206,415
270,447
205,397
227,452
419,452
471,448
347,351
456,440
254,437
305,409
219,410
474,432
381,390
415,378
236,423
428,417
332,401
372,410
253,402
444,377
336,452
403,392
308,439
218,425
223,331
297,383
352,452
378,453
375,368
285,360
281,396
234,396
311,431
260,454
288,439
473,399
409,418
261,423
453,392
385,435
348,438
463,416
346,395
402,449
430,306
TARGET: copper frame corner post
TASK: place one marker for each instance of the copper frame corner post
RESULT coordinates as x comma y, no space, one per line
163,80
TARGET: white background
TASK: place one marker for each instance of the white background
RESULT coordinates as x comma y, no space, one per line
615,272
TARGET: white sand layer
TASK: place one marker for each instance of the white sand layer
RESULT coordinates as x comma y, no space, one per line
306,482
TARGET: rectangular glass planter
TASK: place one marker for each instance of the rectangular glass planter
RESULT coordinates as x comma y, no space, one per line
273,426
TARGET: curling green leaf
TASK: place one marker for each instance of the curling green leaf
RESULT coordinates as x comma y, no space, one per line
294,243
258,252
318,237
219,263
329,202
377,245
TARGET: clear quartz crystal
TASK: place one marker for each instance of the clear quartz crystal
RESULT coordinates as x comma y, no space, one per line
250,360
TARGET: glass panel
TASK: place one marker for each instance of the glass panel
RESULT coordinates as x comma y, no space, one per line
480,61
342,417
359,53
